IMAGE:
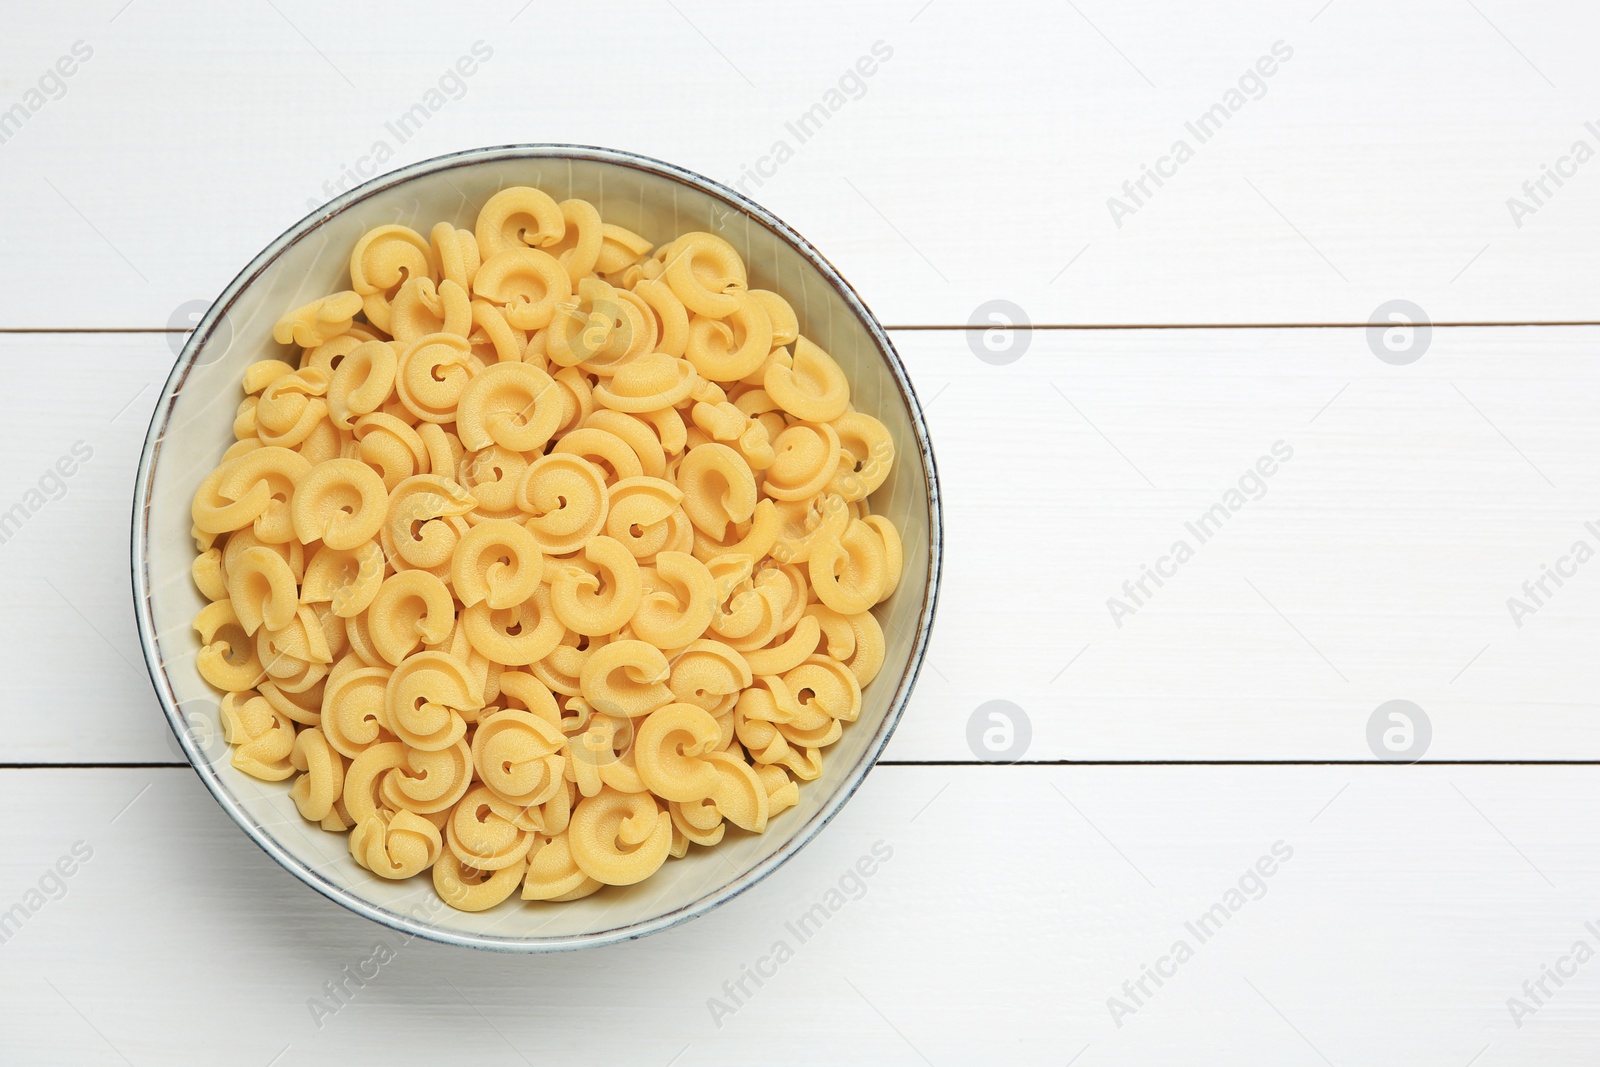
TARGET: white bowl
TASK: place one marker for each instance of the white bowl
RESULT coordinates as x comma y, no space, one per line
193,424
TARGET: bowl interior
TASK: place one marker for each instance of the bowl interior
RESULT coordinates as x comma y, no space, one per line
193,424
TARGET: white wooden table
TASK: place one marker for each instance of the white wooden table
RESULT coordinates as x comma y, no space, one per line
1183,737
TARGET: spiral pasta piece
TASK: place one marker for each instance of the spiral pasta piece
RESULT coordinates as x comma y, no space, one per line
619,838
390,446
425,523
553,874
680,606
710,675
518,757
322,779
599,328
866,454
514,405
428,782
566,500
647,384
411,608
733,345
646,516
340,502
497,563
353,707
290,408
432,374
672,318
518,636
420,308
668,753
598,591
526,284
492,477
718,488
262,589
362,382
321,320
467,889
424,700
519,217
262,736
626,678
850,575
385,257
347,579
456,253
396,847
253,489
805,460
483,834
704,272
809,385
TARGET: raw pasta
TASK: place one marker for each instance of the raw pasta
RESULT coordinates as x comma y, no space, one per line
549,556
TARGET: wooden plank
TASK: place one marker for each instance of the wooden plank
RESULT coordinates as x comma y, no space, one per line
978,160
1376,565
1025,896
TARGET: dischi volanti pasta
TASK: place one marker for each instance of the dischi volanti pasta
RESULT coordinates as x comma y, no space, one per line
542,554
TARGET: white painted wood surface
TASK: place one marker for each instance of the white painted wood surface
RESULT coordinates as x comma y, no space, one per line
1417,502
977,161
1015,903
976,165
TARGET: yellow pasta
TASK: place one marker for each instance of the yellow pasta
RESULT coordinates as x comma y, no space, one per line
542,556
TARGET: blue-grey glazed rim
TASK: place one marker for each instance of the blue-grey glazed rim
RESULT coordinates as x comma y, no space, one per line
219,790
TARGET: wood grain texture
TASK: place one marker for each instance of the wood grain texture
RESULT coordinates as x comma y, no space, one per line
977,160
1375,564
1014,903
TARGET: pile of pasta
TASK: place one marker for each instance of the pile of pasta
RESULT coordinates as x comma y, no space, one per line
547,556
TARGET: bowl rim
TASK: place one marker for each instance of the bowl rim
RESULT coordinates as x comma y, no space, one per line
150,455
